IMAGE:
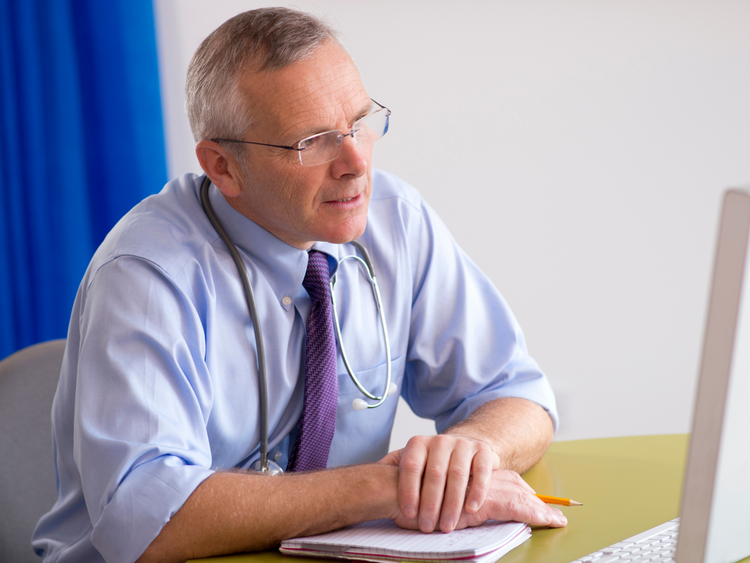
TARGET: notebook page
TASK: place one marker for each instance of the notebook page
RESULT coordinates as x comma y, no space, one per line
385,538
489,557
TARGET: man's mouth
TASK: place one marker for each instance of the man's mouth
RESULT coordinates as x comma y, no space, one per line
346,202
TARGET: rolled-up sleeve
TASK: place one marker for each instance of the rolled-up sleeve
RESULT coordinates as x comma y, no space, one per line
465,346
143,396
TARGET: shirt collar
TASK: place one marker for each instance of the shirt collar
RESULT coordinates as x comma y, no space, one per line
283,265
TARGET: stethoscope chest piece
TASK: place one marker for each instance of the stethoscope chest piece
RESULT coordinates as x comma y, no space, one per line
271,467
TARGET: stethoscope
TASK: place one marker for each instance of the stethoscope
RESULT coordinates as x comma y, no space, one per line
265,465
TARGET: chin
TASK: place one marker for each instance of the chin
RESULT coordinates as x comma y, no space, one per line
343,238
346,235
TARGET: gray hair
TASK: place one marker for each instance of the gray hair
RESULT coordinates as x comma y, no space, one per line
265,39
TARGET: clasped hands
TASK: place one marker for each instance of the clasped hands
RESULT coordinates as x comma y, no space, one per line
449,482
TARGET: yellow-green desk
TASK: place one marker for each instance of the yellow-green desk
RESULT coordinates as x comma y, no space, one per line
627,485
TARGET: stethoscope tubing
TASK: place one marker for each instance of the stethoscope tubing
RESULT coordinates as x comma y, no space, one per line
253,311
376,293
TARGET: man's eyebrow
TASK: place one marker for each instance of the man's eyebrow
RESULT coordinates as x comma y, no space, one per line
365,109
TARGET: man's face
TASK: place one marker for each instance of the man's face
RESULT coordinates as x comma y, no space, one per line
304,204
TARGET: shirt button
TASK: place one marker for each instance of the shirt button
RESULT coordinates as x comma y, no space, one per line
277,455
287,300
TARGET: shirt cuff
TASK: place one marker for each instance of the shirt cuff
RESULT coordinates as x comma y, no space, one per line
532,386
143,503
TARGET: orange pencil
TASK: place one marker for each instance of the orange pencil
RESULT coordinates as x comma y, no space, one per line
557,500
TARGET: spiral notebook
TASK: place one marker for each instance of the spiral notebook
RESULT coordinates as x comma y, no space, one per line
384,541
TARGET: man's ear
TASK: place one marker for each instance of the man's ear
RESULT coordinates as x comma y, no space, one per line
220,166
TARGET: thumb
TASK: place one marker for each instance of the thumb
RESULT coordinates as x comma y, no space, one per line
392,458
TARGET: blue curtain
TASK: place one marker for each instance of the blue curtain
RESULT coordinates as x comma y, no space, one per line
81,142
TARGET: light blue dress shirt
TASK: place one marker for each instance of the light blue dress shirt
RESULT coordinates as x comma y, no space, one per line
159,385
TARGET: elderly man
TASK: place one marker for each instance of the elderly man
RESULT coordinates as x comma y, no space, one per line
158,418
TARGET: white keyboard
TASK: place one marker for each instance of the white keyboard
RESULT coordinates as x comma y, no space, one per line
656,545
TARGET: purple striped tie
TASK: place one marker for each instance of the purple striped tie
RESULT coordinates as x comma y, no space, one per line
318,421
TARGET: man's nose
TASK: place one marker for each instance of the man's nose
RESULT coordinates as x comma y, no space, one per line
352,160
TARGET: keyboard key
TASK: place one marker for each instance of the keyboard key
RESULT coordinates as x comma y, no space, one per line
621,544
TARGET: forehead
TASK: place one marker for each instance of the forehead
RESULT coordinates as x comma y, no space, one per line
318,93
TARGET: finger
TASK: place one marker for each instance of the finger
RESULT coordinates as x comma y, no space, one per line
528,508
434,481
509,499
481,477
459,470
410,470
559,520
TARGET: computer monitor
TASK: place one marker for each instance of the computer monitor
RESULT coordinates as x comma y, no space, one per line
715,511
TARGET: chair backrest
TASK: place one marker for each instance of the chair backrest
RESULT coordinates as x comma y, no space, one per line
28,380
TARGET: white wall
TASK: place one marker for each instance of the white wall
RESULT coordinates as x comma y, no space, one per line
577,150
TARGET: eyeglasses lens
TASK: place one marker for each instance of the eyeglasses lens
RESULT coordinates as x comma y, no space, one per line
326,147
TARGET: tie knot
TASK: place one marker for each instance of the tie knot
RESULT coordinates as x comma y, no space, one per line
317,276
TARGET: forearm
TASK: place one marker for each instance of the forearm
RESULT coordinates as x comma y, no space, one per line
518,431
234,512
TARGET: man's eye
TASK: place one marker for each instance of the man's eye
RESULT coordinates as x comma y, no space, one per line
309,143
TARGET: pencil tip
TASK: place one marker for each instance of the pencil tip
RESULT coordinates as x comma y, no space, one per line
574,503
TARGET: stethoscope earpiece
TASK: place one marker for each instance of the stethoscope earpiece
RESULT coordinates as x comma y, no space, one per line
361,404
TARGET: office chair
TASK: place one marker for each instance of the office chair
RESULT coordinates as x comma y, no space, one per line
28,380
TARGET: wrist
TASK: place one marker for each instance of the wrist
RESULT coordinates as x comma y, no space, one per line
380,488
